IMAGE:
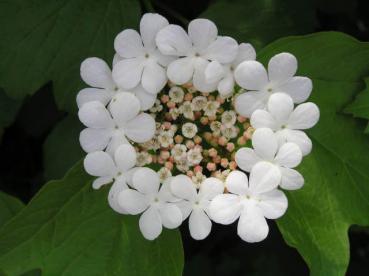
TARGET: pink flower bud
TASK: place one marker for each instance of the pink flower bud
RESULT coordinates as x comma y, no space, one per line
190,144
164,154
204,120
171,104
230,147
197,169
188,97
232,165
222,141
169,165
241,141
241,119
211,167
224,162
197,139
212,152
164,99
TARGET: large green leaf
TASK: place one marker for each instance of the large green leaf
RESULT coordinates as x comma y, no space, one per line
336,193
69,229
9,207
8,109
43,40
261,21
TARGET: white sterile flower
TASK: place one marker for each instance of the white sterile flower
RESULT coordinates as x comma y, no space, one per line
285,158
229,132
194,50
199,103
143,158
211,108
189,130
179,152
252,75
194,156
165,138
164,174
187,109
195,204
251,201
155,204
109,131
215,127
176,94
223,74
229,118
286,121
96,72
142,63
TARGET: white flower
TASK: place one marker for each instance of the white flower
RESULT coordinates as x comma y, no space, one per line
199,103
165,138
195,204
195,49
141,63
229,118
252,75
286,121
194,156
215,127
109,131
229,132
223,74
176,94
164,174
211,108
155,204
179,152
251,201
187,109
189,130
96,73
143,158
174,113
285,158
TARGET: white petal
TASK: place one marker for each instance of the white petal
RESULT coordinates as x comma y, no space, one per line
124,107
185,207
127,72
280,105
262,118
199,224
96,73
147,100
125,157
282,67
150,224
173,40
265,143
299,88
237,183
246,103
128,44
95,115
291,179
245,52
129,175
150,25
94,139
202,32
214,72
299,138
171,216
199,78
165,193
225,208
132,201
251,75
289,155
116,59
223,49
181,70
304,116
93,94
226,86
264,177
273,204
246,158
118,186
140,129
183,187
98,182
117,138
99,163
211,187
146,181
154,78
252,226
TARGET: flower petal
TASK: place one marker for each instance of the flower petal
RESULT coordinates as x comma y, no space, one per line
252,226
199,78
165,193
223,49
299,88
125,157
171,216
181,70
96,73
185,207
291,179
264,177
237,183
94,139
128,44
140,129
211,187
150,224
251,75
280,105
246,158
173,40
289,155
116,59
95,115
117,138
262,118
298,137
225,208
226,86
183,187
282,67
93,94
118,186
98,182
245,52
214,72
304,116
154,78
247,102
147,100
202,32
99,163
127,72
132,201
199,224
124,107
273,204
146,181
150,25
265,143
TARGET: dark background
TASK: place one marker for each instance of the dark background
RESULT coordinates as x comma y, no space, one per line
222,253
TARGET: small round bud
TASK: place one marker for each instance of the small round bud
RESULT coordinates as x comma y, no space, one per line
232,165
222,141
178,139
197,139
211,167
212,152
230,147
164,99
171,104
224,162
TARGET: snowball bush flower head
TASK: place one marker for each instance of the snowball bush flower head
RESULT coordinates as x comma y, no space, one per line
169,128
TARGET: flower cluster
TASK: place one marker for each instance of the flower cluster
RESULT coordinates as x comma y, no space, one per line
188,124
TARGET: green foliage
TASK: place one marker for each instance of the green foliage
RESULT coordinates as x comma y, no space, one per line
259,22
9,207
336,173
69,229
47,40
8,109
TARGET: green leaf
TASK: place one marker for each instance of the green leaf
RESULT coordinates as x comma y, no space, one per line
61,148
261,21
9,207
69,229
46,40
359,108
336,191
8,109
